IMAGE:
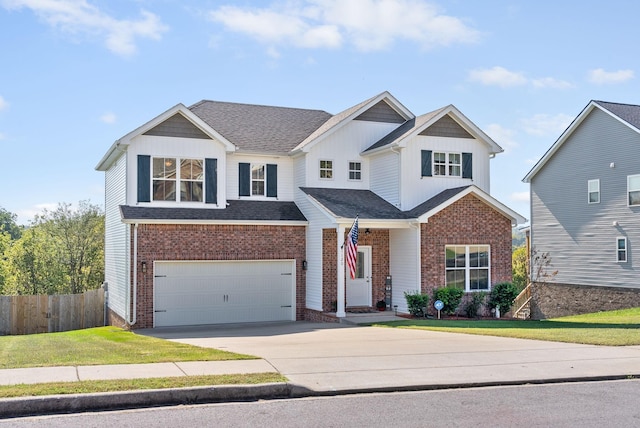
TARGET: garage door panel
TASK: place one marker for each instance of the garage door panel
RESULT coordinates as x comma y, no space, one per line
191,293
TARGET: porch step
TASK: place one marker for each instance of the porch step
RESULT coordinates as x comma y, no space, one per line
369,318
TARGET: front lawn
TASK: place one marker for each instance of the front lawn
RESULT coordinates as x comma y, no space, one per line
97,346
614,328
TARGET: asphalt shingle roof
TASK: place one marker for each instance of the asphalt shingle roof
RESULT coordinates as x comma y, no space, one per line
256,128
434,202
235,210
628,112
406,128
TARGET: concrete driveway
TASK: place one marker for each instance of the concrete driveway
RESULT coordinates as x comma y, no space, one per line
335,357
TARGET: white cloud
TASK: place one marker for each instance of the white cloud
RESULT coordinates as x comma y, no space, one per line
3,103
602,77
79,17
369,25
546,125
108,117
520,196
502,136
497,76
500,76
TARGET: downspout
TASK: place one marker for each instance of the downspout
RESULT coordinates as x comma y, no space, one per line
399,205
135,279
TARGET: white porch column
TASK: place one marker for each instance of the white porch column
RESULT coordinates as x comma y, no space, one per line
340,312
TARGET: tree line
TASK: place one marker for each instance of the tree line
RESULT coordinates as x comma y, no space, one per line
60,252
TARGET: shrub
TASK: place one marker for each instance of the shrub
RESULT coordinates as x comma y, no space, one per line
472,307
503,295
451,298
416,302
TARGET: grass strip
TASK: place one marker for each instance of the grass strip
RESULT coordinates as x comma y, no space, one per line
613,328
84,387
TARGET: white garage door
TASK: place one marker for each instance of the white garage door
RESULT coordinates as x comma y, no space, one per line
216,292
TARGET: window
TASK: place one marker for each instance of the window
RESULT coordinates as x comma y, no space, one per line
621,249
633,188
326,169
355,171
257,179
165,179
467,267
448,164
593,188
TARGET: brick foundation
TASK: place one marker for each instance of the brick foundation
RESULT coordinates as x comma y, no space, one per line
317,316
215,242
558,300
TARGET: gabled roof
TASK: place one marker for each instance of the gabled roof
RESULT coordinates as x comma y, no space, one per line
340,119
236,211
258,128
121,144
347,203
399,136
628,114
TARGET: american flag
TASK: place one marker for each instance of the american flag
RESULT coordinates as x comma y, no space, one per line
352,249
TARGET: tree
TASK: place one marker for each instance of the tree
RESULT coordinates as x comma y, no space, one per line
8,224
519,265
79,241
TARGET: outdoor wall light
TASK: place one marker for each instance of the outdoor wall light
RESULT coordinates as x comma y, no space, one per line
144,267
304,265
367,231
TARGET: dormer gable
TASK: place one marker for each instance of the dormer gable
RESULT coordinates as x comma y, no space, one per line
381,112
177,126
446,127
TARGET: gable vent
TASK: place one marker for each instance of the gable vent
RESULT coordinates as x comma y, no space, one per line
446,127
177,126
381,112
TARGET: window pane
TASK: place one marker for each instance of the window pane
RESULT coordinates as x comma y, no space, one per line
164,190
439,164
191,191
455,279
594,197
257,188
164,168
622,256
634,182
257,172
634,198
622,244
455,256
454,164
478,279
360,265
191,169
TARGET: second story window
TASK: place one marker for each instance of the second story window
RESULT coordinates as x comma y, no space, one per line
257,179
175,178
355,171
326,169
594,191
447,164
633,188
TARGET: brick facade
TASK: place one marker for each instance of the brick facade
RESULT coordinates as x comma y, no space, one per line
378,239
559,300
468,221
215,242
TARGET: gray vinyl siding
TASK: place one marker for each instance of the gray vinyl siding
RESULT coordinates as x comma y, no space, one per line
446,127
116,249
581,237
177,126
381,112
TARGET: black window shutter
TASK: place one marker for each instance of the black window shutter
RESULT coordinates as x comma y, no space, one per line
272,180
426,163
211,181
244,179
144,178
467,165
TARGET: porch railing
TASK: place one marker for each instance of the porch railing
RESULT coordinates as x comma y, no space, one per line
522,303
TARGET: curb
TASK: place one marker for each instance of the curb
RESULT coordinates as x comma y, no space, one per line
77,403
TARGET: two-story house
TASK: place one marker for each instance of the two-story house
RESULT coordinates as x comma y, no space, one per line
585,214
223,212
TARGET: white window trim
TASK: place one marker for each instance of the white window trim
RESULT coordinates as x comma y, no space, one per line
320,169
597,181
178,180
467,267
629,177
626,249
447,164
354,170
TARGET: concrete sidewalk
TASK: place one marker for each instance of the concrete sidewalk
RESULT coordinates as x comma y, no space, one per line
329,359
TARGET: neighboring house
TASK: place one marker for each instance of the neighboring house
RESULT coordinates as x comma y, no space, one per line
585,213
225,213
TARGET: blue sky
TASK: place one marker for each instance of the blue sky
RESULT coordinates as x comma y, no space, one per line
75,75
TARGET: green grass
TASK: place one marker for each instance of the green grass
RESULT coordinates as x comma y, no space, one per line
85,387
614,328
101,345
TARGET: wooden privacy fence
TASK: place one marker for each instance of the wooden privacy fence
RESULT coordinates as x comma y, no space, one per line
49,314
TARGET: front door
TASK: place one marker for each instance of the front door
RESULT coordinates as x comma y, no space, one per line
359,289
